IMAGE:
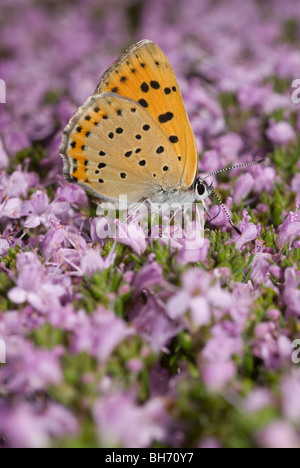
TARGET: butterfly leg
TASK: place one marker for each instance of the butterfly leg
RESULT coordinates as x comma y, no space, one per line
173,215
135,209
206,209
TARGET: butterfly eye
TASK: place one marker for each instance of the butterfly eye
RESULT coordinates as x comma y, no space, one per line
201,189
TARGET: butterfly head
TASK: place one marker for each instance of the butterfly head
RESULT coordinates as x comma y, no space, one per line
202,189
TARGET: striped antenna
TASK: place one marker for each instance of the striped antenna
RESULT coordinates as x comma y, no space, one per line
235,167
216,196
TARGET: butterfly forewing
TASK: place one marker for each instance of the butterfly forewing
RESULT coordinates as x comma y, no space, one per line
113,147
144,74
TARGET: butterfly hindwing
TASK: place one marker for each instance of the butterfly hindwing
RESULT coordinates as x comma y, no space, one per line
144,74
113,147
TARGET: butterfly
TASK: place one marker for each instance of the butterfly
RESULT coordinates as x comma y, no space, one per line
134,137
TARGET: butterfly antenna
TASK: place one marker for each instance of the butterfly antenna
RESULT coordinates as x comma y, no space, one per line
235,167
216,196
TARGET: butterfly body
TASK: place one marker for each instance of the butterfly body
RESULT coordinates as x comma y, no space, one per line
133,136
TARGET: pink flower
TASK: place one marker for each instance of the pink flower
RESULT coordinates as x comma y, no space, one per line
153,324
273,314
289,230
209,443
279,435
296,183
131,234
121,421
276,101
15,140
281,133
249,231
4,246
148,276
28,368
290,396
18,183
240,305
272,347
92,261
225,341
260,268
33,285
99,334
218,215
242,188
229,147
194,249
159,382
59,239
253,96
24,426
205,110
276,271
134,365
218,374
192,297
64,317
11,208
36,209
288,64
210,161
258,399
291,292
263,178
73,194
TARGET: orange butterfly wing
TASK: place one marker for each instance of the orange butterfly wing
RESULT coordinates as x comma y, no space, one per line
144,74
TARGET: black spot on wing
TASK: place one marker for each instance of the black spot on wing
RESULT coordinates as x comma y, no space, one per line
144,87
165,117
160,150
143,102
154,84
173,139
